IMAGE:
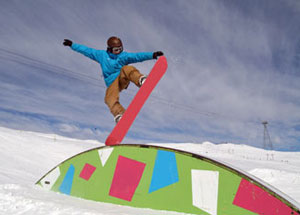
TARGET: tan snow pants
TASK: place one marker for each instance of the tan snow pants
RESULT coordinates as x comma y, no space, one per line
128,74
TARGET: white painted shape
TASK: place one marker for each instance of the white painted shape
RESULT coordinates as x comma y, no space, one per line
104,154
50,179
205,185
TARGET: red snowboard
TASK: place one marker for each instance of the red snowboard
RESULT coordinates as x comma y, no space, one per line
120,130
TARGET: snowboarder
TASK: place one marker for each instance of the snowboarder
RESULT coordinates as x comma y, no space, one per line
116,71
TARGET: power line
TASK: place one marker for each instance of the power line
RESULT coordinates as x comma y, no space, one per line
31,62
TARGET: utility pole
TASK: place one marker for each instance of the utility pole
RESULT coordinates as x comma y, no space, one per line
267,139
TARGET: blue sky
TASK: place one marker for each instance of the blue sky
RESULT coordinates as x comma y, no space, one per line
232,65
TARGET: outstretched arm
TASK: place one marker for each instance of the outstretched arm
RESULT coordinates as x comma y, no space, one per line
142,56
88,52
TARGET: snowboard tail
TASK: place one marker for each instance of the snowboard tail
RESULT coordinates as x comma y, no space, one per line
122,127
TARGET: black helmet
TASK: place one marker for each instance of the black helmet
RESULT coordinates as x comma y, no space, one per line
114,42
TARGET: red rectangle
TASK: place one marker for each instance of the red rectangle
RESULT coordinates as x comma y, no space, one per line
87,171
127,176
253,198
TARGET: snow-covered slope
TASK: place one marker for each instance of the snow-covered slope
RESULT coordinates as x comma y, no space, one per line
26,156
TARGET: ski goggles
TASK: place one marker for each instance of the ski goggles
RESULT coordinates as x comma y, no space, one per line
116,49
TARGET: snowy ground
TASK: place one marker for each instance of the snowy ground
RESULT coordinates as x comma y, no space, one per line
26,156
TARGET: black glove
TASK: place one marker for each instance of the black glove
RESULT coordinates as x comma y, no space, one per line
67,42
157,54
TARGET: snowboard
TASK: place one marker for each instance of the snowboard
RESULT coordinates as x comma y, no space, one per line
122,127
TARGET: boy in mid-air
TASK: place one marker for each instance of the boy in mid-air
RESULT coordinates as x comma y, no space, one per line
116,71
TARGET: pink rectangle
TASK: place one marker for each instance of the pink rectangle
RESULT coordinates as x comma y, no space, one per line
87,171
127,176
253,198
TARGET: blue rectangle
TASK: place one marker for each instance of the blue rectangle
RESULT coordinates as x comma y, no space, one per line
66,185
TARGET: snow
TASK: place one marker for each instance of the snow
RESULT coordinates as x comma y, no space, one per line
26,156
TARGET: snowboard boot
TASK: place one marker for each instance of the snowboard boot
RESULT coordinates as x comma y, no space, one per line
142,80
118,118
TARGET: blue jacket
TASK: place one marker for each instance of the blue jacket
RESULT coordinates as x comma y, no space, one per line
111,64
